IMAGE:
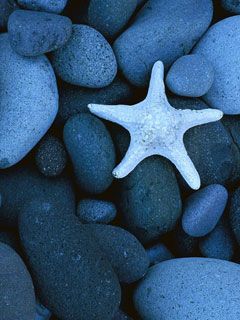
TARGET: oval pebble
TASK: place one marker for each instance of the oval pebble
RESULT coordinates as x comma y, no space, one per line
55,6
191,288
86,59
231,5
158,253
42,313
33,33
220,45
96,211
17,299
72,276
28,102
203,209
150,199
91,150
125,253
51,156
108,16
190,76
163,30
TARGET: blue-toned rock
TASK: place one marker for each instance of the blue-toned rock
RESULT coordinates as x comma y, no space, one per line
219,244
91,150
120,315
231,5
55,6
28,102
33,33
220,45
163,30
150,199
235,214
190,76
96,211
125,253
110,16
17,299
86,59
158,253
21,185
51,156
72,276
42,313
203,209
191,288
6,8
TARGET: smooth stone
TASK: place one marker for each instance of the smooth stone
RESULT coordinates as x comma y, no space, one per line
150,199
17,299
120,315
163,30
87,59
211,148
91,150
21,185
96,211
110,16
231,5
158,253
183,244
33,33
74,99
219,244
203,209
42,313
191,288
51,156
125,253
6,8
190,76
235,214
220,45
73,278
28,102
54,6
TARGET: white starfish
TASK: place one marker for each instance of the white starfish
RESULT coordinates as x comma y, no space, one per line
156,128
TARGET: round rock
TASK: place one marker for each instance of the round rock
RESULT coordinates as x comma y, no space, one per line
33,33
86,59
17,299
28,102
55,6
190,76
191,288
158,253
92,152
203,209
220,45
163,30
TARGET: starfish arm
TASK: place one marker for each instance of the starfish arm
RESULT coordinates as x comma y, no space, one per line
192,118
156,91
180,158
121,114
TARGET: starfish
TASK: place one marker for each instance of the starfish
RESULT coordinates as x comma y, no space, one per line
156,128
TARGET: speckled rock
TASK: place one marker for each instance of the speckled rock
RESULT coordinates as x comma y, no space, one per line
219,244
235,214
163,30
86,59
74,280
203,209
211,148
220,45
20,185
96,211
108,16
89,143
190,76
17,299
200,289
51,156
150,199
74,99
6,8
231,5
125,253
158,253
55,6
28,102
33,33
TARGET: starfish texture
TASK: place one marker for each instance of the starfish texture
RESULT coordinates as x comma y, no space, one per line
156,128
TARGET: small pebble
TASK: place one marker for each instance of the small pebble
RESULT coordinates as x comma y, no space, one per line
51,157
54,6
203,209
158,253
96,211
190,76
42,313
